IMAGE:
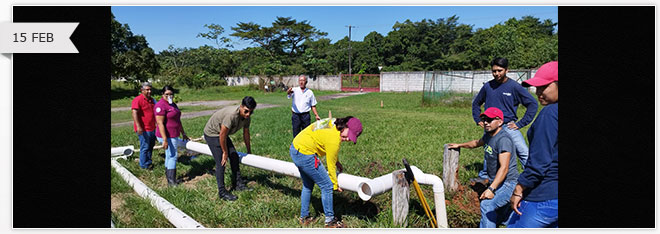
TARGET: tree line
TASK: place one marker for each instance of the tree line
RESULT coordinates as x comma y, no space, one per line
290,47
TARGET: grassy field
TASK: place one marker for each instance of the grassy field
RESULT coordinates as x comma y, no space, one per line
122,94
402,128
125,116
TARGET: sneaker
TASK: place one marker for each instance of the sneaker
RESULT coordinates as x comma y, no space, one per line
226,195
335,223
241,187
306,220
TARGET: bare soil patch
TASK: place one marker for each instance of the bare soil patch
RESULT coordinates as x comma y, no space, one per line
191,183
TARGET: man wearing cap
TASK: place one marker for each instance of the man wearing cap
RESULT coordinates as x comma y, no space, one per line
501,163
144,124
506,94
535,198
322,138
223,123
303,101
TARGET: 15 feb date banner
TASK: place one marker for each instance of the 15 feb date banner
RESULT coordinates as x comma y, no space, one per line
37,38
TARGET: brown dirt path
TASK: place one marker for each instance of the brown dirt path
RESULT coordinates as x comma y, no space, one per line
223,103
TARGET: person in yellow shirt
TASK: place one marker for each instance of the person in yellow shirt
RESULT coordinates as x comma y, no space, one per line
322,138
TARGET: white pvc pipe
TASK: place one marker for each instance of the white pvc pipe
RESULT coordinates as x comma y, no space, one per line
438,194
365,187
122,151
352,183
346,181
173,214
383,184
375,186
198,147
269,164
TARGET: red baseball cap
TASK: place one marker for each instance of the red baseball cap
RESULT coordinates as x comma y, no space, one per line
493,112
354,129
546,74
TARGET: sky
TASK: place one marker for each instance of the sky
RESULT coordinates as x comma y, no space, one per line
179,25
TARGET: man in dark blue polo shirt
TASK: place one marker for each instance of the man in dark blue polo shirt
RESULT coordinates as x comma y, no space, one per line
506,94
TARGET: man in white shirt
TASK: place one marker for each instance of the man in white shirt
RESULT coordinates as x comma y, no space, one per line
303,101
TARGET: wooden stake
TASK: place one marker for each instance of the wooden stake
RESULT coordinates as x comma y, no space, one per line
400,198
450,168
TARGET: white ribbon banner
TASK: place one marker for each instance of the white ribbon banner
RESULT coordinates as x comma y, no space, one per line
37,37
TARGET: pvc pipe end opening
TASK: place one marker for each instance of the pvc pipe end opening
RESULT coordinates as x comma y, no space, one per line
364,191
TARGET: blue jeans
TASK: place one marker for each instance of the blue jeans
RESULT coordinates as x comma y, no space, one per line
543,214
147,142
299,122
311,176
521,149
171,153
497,210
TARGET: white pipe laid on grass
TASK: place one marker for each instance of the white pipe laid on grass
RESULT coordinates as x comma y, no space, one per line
365,187
173,214
375,186
346,181
122,151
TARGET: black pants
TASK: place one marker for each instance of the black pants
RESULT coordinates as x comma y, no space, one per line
299,122
216,150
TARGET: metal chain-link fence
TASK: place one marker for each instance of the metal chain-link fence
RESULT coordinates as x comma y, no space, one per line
440,84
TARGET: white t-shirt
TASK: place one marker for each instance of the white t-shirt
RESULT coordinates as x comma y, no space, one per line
302,100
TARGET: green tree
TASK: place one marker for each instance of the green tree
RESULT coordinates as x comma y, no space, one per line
131,58
527,43
368,53
213,35
283,40
427,45
197,67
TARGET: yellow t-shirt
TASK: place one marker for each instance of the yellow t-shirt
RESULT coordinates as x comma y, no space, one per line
323,139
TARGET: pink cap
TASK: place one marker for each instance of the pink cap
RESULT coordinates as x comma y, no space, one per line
354,129
493,112
546,74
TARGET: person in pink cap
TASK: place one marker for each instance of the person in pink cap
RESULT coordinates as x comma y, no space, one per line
535,198
322,138
501,168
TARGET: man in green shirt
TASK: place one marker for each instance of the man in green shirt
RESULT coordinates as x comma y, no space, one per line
223,123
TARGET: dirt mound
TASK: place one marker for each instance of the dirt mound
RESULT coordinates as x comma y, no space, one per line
466,199
374,167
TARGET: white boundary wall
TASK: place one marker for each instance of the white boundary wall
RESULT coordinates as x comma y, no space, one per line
402,81
414,81
320,83
389,81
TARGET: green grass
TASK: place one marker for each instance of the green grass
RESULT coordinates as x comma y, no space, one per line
402,128
133,211
125,116
122,94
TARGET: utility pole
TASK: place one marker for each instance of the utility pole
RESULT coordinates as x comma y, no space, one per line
349,49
